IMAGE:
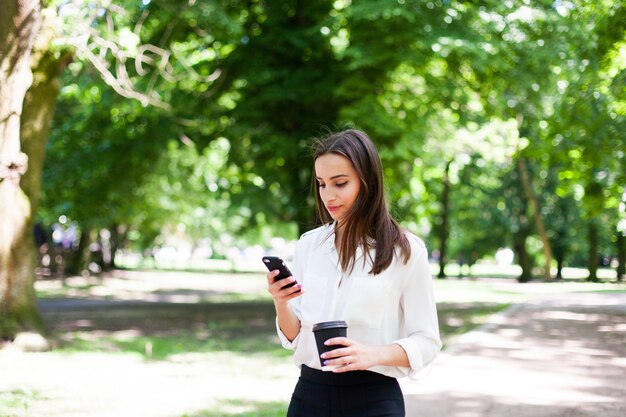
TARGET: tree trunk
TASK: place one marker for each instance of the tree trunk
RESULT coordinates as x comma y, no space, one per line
559,267
519,245
560,251
534,203
592,263
621,255
445,220
37,103
39,107
118,235
115,236
81,255
19,24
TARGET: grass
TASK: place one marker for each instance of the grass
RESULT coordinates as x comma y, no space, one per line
13,403
235,337
243,408
463,304
478,291
173,286
456,320
167,346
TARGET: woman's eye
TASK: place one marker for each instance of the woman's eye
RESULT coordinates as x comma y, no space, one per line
341,184
321,185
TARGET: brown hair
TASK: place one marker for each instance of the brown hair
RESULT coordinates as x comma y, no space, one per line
368,222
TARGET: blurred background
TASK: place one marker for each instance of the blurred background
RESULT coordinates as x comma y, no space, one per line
167,135
182,128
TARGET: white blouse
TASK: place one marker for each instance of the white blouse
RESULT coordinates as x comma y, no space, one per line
395,306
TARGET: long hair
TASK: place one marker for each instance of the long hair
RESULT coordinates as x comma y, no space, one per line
368,222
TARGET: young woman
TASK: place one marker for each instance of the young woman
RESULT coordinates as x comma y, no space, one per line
360,267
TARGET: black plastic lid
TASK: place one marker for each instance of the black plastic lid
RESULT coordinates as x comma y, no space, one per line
330,325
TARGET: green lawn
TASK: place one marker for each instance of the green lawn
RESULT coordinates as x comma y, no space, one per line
242,408
16,403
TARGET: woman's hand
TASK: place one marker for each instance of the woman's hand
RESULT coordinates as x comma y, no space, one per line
287,321
354,356
282,295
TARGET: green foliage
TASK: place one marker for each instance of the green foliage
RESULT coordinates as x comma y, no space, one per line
99,154
281,82
245,85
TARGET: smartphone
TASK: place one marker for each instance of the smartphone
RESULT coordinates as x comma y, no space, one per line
274,262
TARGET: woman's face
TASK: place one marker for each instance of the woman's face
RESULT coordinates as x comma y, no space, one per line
338,183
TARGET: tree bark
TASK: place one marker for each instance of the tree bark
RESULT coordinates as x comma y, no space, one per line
80,257
523,258
559,267
621,255
559,252
445,220
116,241
35,115
20,21
592,263
534,203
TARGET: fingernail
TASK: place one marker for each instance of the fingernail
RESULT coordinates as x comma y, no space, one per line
298,285
325,363
327,342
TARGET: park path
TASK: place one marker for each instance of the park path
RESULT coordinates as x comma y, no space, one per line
559,355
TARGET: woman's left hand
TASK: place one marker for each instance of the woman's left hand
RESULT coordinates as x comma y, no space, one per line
352,356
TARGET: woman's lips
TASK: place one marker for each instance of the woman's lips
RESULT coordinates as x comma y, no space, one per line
333,208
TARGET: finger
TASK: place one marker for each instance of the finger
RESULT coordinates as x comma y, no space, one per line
281,293
271,275
277,286
343,363
338,341
336,353
345,368
293,292
284,281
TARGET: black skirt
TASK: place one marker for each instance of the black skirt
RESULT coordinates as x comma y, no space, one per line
350,394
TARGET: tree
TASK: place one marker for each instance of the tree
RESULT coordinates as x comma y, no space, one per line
589,124
19,24
99,33
480,223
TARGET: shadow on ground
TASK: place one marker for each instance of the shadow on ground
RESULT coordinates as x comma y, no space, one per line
559,357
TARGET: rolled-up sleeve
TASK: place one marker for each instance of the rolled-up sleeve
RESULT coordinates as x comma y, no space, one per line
421,326
291,345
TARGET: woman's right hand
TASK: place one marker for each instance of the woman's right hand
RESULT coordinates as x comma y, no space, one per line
282,295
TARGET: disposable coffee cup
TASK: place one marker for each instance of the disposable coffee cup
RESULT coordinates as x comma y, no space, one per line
327,330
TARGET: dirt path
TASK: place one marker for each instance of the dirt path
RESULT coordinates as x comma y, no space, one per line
562,355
